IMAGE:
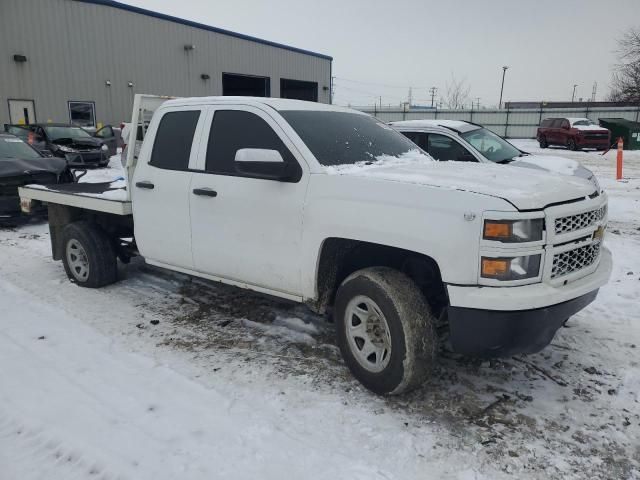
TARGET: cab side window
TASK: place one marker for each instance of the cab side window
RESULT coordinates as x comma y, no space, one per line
444,148
564,124
172,145
419,138
232,130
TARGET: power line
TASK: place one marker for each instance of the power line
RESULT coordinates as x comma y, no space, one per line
404,87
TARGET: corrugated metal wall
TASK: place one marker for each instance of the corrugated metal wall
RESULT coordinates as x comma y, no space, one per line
73,48
516,123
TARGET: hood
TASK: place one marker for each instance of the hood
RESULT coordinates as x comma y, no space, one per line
88,142
14,167
525,190
561,165
590,128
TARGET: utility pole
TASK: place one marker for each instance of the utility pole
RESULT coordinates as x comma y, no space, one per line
478,102
380,102
410,99
504,70
593,91
433,91
573,95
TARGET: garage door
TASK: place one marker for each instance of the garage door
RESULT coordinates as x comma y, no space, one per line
298,90
245,85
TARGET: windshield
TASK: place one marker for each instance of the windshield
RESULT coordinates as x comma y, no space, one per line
341,138
490,145
16,148
585,121
56,133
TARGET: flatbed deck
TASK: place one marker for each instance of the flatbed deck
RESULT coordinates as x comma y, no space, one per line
108,197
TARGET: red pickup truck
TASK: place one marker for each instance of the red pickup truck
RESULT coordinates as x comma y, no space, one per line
573,133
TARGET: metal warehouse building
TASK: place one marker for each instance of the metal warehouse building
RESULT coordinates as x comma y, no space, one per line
81,61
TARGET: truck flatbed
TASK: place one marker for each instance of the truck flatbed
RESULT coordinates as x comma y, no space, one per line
107,197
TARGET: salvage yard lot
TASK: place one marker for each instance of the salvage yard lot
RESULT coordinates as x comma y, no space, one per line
161,376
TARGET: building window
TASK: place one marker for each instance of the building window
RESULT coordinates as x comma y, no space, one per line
82,114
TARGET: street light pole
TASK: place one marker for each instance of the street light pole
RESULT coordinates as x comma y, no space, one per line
573,95
504,70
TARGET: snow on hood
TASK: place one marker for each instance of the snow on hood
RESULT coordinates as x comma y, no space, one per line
528,190
590,128
565,166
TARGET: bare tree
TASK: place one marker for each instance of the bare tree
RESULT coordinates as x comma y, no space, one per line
457,93
625,80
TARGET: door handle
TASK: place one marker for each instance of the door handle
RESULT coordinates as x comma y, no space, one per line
147,185
205,192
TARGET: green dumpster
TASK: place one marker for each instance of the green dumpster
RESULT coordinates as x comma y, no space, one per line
621,127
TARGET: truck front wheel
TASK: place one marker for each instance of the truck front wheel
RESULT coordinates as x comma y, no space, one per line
385,330
88,255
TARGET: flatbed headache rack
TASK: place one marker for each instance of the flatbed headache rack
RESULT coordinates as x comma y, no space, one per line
89,195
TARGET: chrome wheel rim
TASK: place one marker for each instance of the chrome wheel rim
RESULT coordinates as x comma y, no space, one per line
77,260
368,334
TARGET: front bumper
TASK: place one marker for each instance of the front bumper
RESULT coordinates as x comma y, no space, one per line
593,142
9,206
503,321
494,333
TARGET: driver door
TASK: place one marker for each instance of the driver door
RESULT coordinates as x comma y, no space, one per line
245,229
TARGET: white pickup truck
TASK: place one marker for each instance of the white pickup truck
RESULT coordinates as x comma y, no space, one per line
328,206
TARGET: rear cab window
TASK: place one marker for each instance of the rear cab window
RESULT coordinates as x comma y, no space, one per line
174,139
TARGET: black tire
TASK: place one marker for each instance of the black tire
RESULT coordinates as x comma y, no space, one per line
85,238
411,329
543,142
571,144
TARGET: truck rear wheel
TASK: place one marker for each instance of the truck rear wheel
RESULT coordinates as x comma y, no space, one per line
385,330
88,255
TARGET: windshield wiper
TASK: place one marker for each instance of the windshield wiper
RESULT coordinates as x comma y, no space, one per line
506,160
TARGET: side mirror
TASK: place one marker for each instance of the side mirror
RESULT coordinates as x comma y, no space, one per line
565,127
261,163
467,157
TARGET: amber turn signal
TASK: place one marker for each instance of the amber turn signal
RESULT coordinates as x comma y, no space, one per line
497,229
494,267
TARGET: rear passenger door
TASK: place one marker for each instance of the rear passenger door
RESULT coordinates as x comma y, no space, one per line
245,229
160,188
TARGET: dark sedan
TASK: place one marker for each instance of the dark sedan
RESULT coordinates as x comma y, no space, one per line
72,143
21,165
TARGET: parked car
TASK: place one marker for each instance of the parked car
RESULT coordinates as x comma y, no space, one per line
573,133
72,143
329,207
21,164
111,136
458,140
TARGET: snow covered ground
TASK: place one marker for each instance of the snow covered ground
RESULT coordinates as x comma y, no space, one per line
162,377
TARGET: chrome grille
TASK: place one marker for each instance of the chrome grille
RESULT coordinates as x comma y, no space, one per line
573,260
579,221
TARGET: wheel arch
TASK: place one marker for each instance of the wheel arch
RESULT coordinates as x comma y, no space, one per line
340,257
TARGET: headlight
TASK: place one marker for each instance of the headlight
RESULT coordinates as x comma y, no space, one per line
513,231
511,268
104,148
64,148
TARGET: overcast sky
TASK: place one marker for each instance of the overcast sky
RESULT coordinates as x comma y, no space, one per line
380,48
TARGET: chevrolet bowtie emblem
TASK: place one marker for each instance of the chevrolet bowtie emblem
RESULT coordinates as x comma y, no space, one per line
598,234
